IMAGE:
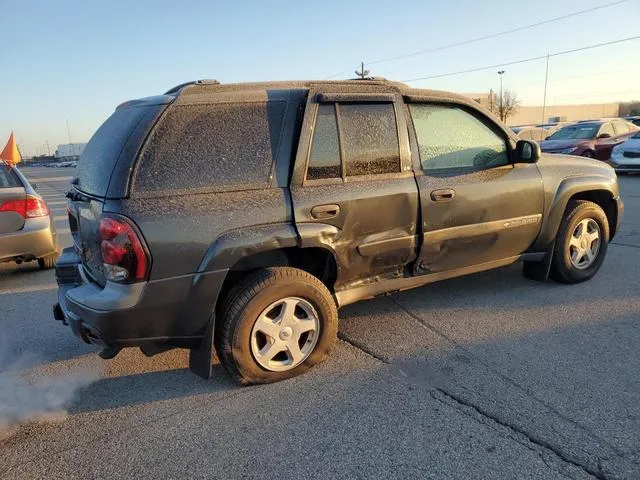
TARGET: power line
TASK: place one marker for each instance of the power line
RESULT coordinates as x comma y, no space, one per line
577,77
525,60
485,37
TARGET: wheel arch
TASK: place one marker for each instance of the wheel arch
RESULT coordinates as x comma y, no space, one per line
601,190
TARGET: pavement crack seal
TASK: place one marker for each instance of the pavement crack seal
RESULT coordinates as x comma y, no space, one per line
596,473
509,380
535,440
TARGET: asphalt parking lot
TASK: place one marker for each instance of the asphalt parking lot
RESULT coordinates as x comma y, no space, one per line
487,376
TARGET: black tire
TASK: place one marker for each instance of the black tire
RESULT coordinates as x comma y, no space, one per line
48,262
562,269
588,154
244,305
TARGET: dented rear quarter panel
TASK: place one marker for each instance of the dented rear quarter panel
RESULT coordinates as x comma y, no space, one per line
563,177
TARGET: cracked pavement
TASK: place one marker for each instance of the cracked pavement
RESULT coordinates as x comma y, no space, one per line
486,376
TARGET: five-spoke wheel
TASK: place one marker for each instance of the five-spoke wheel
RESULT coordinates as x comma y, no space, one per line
276,324
581,242
285,334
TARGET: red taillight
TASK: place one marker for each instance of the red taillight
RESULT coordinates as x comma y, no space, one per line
123,255
29,207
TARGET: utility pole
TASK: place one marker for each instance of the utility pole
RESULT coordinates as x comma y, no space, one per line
544,97
501,110
362,73
48,149
68,130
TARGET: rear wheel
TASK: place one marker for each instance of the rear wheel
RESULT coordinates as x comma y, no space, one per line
277,324
48,262
588,154
581,243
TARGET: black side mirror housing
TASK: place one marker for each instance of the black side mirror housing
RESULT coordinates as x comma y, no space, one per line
527,151
604,135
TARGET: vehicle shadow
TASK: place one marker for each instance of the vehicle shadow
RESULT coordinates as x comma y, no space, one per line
149,387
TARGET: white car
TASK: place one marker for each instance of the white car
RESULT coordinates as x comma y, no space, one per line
625,157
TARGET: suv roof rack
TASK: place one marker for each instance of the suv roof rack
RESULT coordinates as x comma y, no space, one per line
205,81
376,79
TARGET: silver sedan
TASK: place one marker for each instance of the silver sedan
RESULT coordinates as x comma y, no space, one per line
27,231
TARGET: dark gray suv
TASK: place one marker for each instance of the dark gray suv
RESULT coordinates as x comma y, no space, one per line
241,217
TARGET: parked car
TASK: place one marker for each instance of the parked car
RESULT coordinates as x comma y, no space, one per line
592,139
635,119
242,216
538,133
625,158
27,231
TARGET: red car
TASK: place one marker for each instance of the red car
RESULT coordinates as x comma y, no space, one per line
593,138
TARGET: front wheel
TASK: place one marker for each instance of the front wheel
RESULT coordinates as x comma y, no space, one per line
277,324
581,243
588,154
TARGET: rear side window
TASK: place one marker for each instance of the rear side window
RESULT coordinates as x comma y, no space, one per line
218,147
450,137
8,179
103,150
620,127
367,133
370,138
324,159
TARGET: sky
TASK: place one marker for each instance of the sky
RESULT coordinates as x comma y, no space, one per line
75,61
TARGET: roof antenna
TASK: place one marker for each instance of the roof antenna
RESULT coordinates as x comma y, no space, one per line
362,73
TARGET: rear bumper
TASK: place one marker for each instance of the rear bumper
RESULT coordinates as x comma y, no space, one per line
36,239
169,311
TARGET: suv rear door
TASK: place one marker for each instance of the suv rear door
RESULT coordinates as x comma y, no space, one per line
353,188
477,206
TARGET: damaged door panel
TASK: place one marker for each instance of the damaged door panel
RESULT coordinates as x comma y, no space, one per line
358,180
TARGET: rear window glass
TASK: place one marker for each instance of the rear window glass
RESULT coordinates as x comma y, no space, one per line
8,179
101,153
218,147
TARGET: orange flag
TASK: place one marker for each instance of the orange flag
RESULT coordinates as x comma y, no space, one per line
10,152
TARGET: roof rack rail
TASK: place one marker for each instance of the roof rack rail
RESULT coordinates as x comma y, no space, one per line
378,79
205,81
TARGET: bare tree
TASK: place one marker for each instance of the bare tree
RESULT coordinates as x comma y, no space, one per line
504,104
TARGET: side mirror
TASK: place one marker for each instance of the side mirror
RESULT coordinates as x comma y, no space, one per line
527,151
35,186
604,135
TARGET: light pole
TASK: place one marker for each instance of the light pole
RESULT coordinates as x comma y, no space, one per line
501,110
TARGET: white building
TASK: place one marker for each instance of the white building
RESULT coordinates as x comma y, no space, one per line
69,151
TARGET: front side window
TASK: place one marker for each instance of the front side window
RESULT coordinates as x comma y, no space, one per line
607,128
451,137
370,138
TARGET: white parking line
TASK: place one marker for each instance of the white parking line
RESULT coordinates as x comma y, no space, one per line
56,203
32,288
60,218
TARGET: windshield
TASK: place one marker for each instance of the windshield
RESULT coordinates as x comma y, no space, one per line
576,132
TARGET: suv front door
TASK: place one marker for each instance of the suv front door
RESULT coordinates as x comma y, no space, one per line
477,206
353,188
